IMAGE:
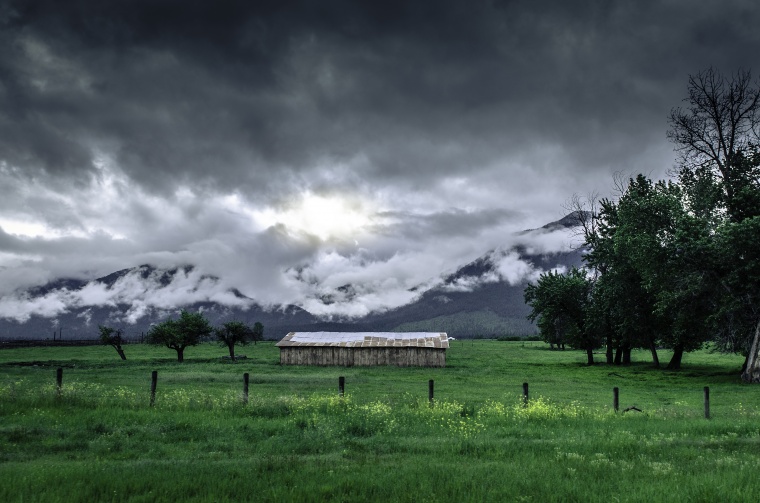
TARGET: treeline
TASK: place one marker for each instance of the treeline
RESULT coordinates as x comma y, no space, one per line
471,324
675,263
188,330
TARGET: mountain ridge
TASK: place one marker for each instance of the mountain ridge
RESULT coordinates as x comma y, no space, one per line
480,298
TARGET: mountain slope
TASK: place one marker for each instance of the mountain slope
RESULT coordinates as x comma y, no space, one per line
486,305
482,298
103,302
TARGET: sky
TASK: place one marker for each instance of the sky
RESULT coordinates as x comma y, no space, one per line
289,148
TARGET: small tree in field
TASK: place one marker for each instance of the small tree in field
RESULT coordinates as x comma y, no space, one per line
113,337
233,333
188,330
560,306
257,332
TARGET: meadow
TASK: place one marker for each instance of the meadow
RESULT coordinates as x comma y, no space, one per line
296,439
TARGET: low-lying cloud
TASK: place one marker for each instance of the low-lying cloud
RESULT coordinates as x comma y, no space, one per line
341,280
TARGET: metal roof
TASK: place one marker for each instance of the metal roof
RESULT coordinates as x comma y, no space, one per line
367,339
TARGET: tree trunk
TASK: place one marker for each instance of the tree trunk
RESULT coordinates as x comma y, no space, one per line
751,373
627,355
232,351
618,355
180,354
655,358
610,359
675,361
590,356
121,353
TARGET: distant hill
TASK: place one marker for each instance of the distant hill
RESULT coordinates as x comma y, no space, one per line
479,299
82,322
489,308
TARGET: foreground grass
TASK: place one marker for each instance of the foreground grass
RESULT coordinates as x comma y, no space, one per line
296,440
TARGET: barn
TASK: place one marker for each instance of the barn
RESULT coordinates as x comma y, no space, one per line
348,349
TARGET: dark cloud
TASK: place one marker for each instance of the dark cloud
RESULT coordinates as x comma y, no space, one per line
127,126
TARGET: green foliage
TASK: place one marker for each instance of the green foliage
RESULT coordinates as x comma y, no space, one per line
676,263
257,332
188,330
233,333
649,291
560,305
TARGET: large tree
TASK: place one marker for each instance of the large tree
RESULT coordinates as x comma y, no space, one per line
719,122
717,136
178,334
623,309
666,245
735,269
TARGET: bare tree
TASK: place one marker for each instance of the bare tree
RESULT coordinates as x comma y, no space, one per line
112,337
584,212
720,121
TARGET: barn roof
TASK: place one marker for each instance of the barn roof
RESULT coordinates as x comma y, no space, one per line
367,339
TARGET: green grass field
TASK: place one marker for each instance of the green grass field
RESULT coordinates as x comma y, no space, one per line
297,440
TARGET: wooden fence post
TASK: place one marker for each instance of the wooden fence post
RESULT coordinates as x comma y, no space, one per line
153,381
431,394
245,388
341,385
59,380
616,398
707,402
525,394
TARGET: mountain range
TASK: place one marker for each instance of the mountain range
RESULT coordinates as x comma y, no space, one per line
475,300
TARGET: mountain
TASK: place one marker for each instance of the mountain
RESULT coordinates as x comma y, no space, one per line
482,298
474,301
81,322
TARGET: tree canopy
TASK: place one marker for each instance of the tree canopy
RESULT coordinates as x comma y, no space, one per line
560,306
235,333
178,334
675,263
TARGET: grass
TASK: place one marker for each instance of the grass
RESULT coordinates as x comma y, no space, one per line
297,440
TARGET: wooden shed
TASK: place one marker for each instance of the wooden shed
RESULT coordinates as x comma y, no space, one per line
403,349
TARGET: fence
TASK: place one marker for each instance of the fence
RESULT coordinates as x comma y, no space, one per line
431,392
35,343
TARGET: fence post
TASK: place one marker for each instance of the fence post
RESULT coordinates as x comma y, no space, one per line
245,388
707,402
431,394
153,381
341,385
616,398
525,394
59,380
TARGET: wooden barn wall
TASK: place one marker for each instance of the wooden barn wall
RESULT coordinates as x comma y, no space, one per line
363,357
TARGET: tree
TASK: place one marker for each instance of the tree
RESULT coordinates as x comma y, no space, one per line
665,244
188,330
721,121
258,332
113,337
233,333
717,136
560,306
622,309
735,269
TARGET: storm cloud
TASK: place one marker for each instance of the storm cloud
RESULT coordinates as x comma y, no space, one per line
239,137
